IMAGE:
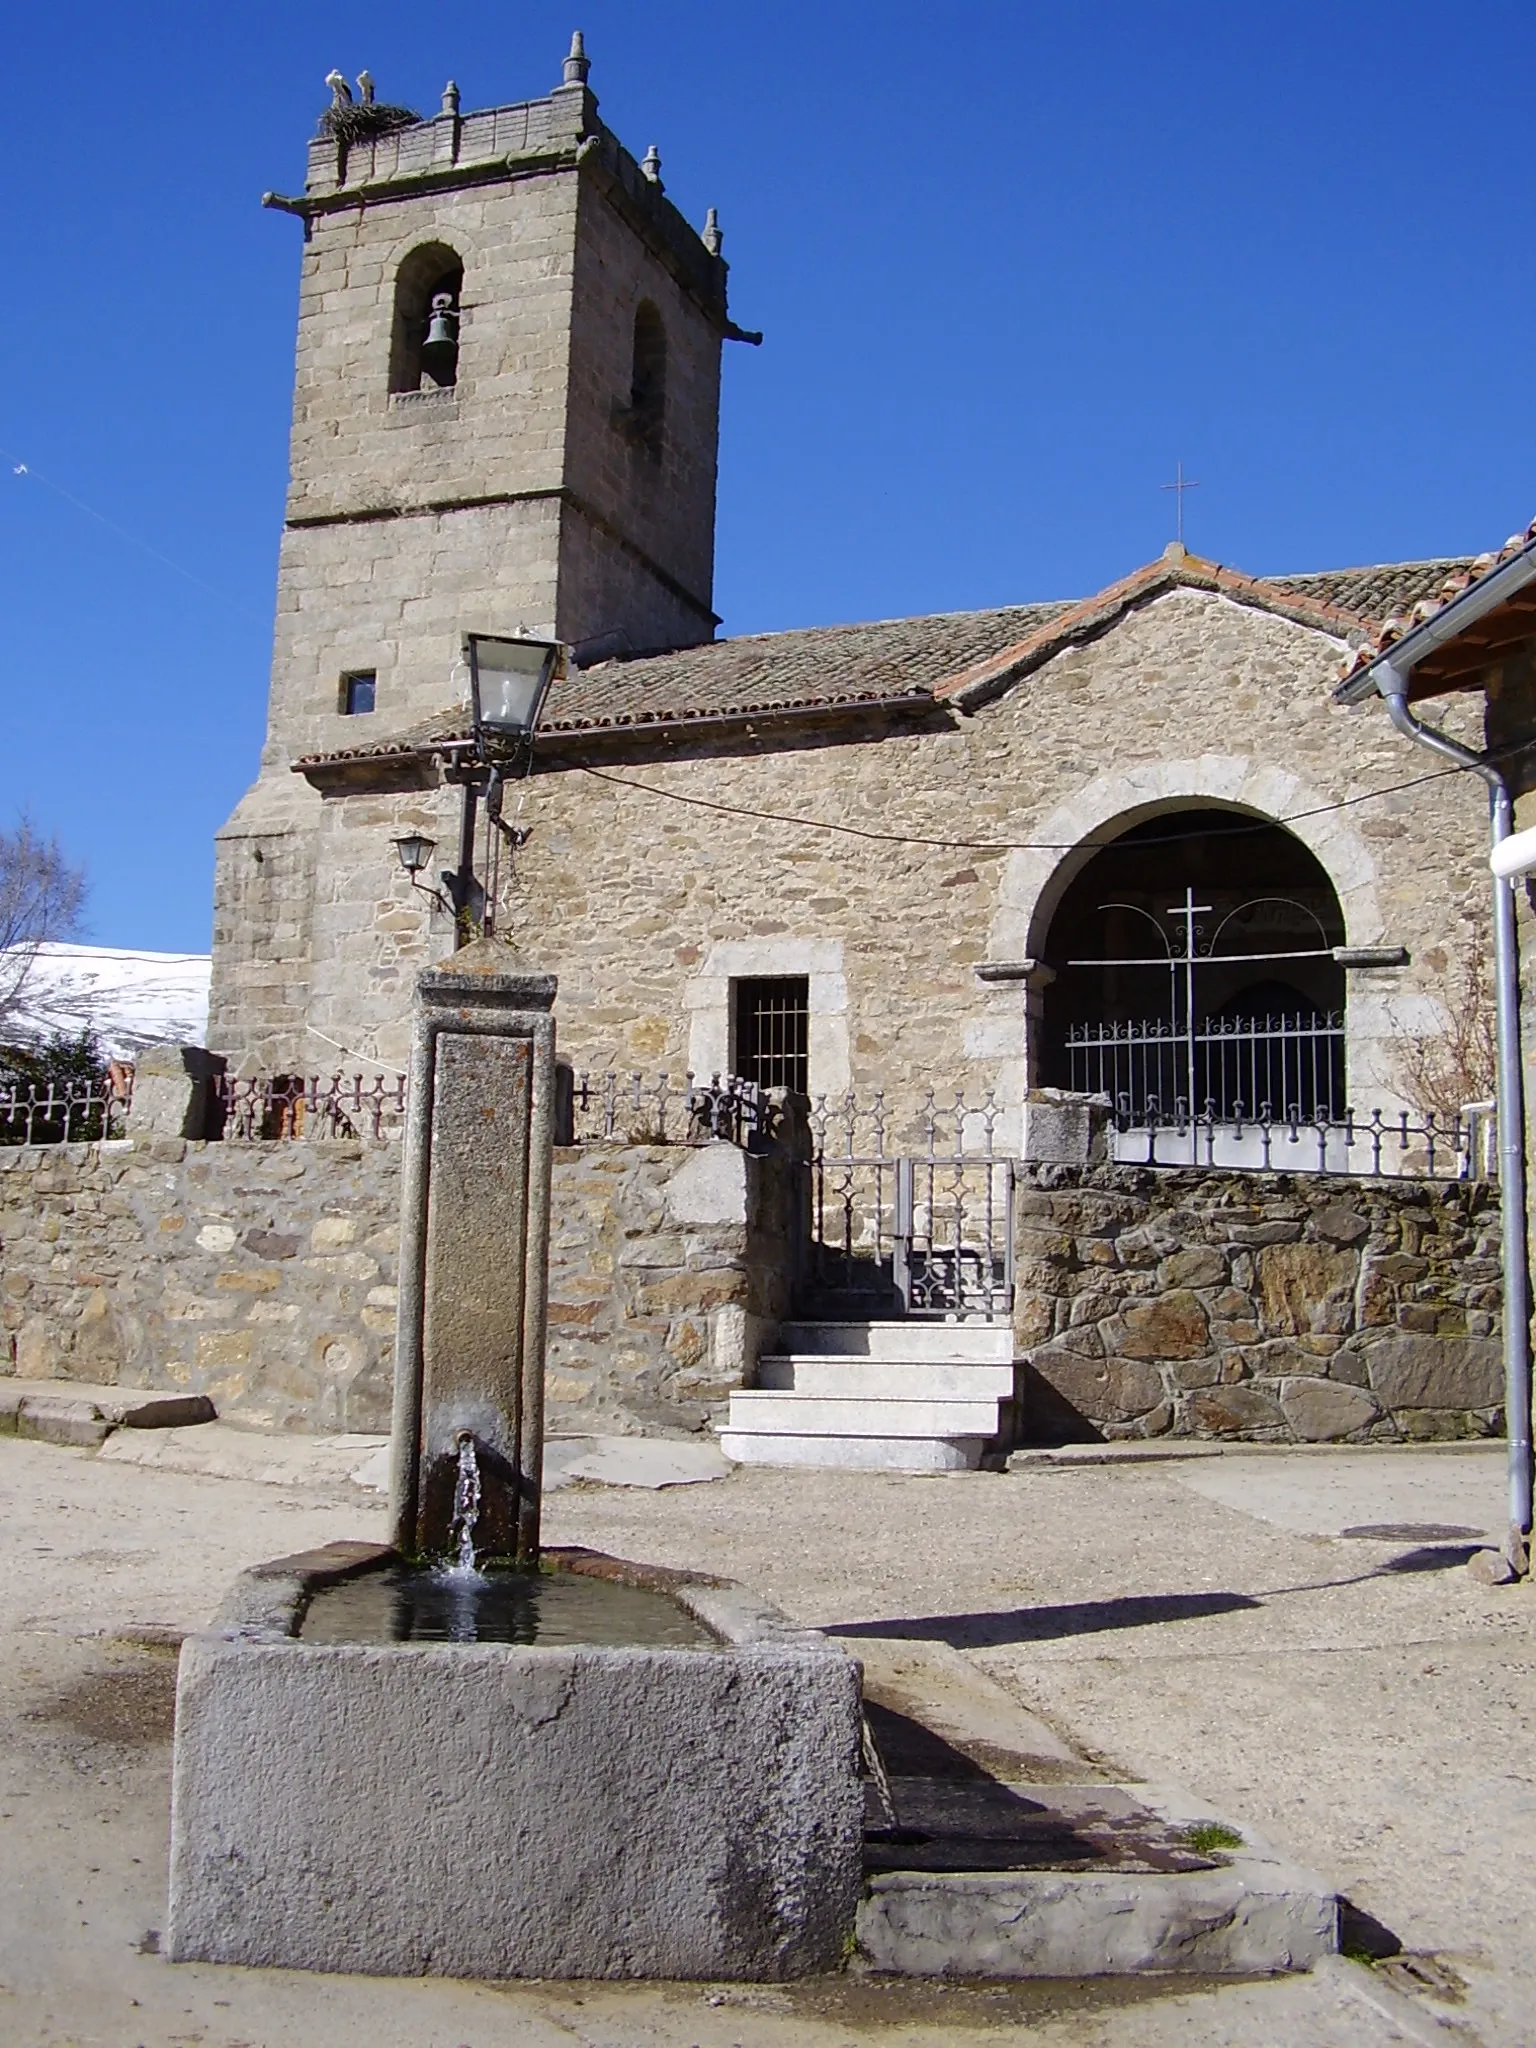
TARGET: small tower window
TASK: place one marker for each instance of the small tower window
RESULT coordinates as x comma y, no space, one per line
358,692
648,378
424,344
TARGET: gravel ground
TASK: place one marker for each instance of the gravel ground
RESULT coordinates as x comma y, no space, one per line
1360,1701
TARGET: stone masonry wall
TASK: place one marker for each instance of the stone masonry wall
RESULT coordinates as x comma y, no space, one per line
646,907
1276,1308
264,1275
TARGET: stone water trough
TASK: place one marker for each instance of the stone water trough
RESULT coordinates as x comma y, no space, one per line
683,1804
501,1810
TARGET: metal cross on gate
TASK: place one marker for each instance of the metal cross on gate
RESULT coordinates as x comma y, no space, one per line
1134,1063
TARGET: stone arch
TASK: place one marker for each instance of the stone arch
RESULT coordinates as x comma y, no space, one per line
426,272
1034,880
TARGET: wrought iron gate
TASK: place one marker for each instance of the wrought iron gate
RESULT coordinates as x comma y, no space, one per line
1184,1066
925,1231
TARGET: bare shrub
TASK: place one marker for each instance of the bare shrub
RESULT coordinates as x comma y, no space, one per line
1459,1065
41,898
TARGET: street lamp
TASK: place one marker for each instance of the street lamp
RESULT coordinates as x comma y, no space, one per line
507,683
508,680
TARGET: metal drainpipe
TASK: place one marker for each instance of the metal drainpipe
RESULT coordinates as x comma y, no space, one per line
1512,1198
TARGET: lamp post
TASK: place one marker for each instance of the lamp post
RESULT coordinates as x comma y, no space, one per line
508,681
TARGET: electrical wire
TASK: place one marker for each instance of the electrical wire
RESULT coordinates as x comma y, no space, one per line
1016,845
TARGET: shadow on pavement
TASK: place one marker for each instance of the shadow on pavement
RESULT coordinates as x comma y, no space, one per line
1043,1624
1130,1610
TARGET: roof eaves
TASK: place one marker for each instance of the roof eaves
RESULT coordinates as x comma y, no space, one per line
1465,597
782,713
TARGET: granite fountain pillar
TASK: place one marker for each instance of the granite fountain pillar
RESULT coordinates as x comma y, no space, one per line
474,1253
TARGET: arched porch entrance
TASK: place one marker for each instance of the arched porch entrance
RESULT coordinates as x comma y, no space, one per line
1192,966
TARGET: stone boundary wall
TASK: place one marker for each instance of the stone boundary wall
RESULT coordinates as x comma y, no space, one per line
264,1275
1272,1307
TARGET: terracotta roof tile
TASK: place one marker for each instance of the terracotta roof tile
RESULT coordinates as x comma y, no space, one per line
764,673
961,657
1413,608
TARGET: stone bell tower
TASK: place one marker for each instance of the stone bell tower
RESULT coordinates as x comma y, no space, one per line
505,420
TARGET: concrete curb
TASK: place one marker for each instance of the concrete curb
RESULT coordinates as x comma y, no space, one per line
71,1412
1257,1913
1159,1452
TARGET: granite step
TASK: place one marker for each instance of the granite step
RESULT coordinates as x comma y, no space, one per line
857,1379
908,1341
761,1410
854,1453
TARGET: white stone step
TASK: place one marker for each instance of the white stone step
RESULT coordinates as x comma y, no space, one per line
911,1341
856,1379
763,1411
855,1453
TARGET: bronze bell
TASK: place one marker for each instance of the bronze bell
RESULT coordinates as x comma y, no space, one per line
440,350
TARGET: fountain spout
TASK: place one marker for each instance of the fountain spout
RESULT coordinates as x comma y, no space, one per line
466,1499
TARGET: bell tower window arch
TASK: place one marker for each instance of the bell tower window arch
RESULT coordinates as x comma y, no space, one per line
424,337
646,412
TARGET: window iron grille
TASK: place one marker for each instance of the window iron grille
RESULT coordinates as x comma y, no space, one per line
772,1031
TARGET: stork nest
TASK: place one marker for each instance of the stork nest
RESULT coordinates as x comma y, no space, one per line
364,118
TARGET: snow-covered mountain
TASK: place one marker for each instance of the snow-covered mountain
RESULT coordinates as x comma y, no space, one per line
129,999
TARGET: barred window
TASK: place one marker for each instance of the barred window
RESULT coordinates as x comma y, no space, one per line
770,1031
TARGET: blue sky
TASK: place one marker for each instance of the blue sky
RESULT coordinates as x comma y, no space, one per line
1013,263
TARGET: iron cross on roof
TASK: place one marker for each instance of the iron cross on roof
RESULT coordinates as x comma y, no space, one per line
1180,485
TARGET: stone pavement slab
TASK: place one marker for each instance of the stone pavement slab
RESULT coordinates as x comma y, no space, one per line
1372,1722
219,1451
1323,1493
649,1461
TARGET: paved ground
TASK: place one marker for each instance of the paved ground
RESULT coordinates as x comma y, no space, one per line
1360,1701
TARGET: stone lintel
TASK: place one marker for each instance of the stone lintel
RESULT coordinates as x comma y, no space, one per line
1371,956
1035,972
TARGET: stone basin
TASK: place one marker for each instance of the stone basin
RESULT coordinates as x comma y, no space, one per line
495,1809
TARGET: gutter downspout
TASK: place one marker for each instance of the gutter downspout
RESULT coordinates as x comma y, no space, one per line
1393,686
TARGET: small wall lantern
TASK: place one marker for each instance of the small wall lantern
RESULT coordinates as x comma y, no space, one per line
415,850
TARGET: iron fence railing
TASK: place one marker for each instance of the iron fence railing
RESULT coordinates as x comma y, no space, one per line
254,1106
912,1216
654,1109
64,1112
611,1107
1295,1061
1380,1145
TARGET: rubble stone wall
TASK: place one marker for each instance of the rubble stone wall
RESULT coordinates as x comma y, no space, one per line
264,1275
1277,1307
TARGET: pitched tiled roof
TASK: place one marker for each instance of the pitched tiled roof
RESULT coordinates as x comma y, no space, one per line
1414,605
818,668
959,657
1175,570
1376,593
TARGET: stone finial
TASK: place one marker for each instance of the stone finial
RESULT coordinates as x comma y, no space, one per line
1175,551
365,87
450,98
578,63
712,238
651,168
341,92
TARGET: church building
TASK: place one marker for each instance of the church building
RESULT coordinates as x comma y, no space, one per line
1123,843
